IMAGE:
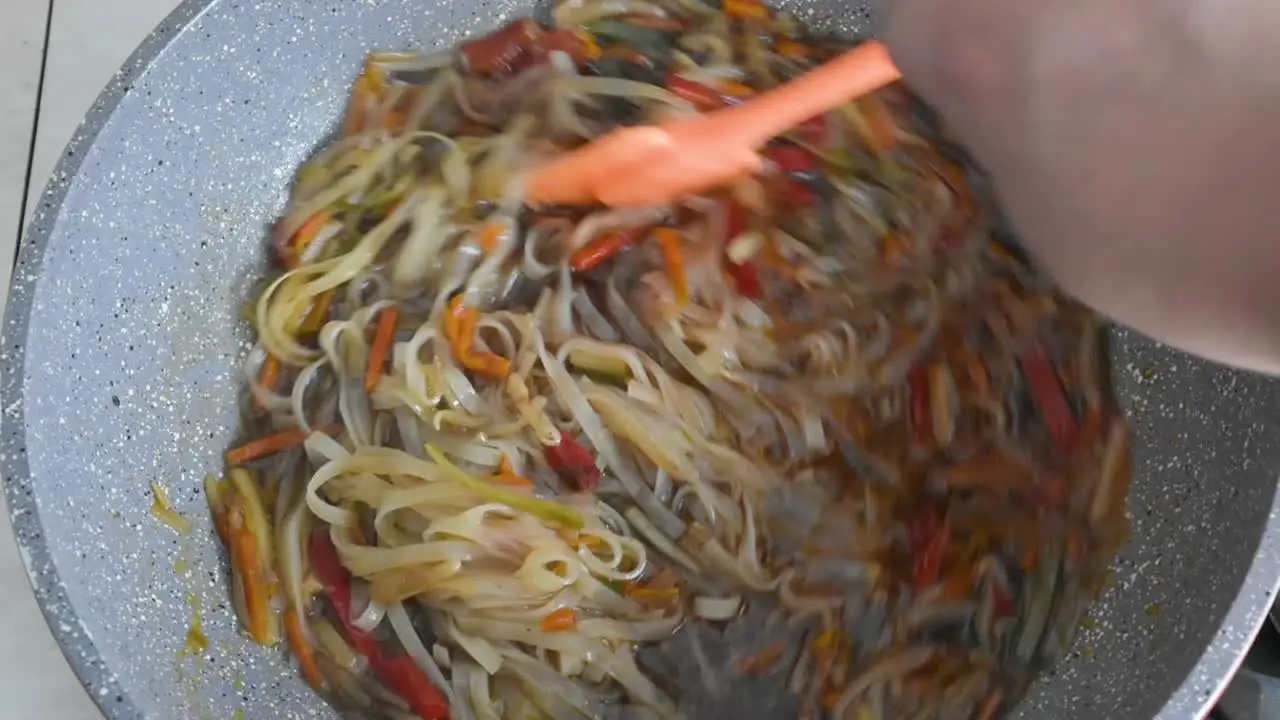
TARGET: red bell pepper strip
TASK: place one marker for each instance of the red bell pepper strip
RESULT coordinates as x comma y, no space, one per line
815,130
921,422
406,679
701,97
795,161
504,51
1002,604
792,159
573,462
401,674
521,45
706,97
928,535
746,279
1049,397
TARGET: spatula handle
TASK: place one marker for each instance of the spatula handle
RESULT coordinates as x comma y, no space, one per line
854,73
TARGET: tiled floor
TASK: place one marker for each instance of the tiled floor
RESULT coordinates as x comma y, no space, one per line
35,681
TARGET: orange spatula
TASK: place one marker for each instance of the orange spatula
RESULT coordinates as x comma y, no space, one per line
654,165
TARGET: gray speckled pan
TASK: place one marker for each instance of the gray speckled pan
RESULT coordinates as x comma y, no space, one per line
119,368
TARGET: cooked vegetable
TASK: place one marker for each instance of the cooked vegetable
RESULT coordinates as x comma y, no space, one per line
381,350
605,247
573,462
164,512
265,446
301,648
545,510
673,249
562,620
460,326
819,425
241,518
399,672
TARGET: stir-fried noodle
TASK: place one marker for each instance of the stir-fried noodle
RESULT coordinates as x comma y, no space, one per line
491,451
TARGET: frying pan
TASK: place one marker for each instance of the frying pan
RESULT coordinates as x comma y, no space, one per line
120,367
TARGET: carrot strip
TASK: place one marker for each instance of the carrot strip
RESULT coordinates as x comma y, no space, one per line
460,329
788,48
269,445
507,475
515,482
894,249
268,377
245,557
673,251
490,234
289,248
758,663
745,9
453,321
959,584
735,89
603,248
488,365
652,597
382,337
665,578
505,467
589,48
302,649
310,229
562,620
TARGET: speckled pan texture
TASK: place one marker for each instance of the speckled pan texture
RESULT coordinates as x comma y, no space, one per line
121,348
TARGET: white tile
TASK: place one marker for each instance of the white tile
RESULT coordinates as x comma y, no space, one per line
83,57
35,680
21,46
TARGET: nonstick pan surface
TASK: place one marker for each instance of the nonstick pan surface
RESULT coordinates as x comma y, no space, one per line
122,346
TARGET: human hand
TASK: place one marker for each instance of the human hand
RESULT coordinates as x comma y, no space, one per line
1135,145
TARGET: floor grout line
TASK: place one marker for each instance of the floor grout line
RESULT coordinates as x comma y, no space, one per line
35,128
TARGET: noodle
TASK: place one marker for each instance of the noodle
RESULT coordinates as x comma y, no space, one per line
492,452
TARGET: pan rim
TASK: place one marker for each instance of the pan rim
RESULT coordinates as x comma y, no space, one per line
77,647
1197,692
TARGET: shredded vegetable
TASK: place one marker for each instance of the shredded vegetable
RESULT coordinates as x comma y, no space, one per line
500,460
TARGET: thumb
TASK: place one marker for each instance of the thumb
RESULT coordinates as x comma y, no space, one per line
912,31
